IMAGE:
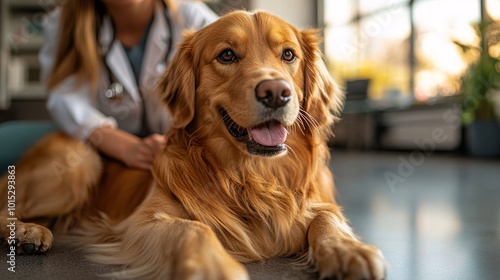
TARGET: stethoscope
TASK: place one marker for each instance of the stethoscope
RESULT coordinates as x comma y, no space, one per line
115,91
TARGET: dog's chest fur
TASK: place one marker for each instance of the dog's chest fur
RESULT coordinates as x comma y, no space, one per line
258,207
259,219
256,211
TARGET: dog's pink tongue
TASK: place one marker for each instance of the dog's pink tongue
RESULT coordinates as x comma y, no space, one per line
269,134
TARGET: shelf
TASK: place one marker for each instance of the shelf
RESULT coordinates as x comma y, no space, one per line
32,45
22,38
32,5
35,91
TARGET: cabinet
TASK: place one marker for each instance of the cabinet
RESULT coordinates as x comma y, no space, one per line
20,40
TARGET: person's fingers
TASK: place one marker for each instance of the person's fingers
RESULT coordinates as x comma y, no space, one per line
155,142
143,159
149,142
160,141
146,154
157,137
140,164
145,165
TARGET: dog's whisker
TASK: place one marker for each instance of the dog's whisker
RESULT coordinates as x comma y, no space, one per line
212,131
202,126
311,121
300,123
304,119
297,126
291,151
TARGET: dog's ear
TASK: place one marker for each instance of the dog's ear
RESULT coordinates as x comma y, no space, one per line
323,99
177,86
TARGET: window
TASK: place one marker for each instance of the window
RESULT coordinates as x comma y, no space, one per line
405,48
439,61
493,9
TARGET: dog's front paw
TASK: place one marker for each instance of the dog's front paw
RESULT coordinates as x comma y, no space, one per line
33,238
349,259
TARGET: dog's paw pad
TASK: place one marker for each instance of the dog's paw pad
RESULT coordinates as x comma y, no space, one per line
33,238
28,248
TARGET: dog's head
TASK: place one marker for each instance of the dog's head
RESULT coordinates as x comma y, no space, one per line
250,78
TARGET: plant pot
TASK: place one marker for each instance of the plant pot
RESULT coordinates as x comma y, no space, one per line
483,138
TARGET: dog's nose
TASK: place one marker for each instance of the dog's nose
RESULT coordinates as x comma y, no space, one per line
273,93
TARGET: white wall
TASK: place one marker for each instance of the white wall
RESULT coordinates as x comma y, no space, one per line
300,13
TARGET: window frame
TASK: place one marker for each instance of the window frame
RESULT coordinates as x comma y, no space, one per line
358,17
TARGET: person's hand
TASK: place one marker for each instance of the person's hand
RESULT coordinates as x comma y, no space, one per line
127,148
143,153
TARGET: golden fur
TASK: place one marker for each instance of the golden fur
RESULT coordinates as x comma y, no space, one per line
213,203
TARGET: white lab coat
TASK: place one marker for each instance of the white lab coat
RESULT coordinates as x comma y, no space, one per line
78,111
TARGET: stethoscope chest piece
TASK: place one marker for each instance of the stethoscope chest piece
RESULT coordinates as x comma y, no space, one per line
115,91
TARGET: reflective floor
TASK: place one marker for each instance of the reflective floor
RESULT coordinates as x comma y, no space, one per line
433,216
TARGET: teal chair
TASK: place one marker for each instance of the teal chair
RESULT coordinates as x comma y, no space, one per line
16,137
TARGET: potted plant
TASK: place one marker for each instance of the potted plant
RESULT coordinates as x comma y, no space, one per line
480,88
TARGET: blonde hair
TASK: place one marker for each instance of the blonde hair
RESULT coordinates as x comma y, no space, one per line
78,51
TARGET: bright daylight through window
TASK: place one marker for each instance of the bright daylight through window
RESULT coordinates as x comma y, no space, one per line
406,49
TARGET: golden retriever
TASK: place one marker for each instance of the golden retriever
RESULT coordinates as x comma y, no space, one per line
244,176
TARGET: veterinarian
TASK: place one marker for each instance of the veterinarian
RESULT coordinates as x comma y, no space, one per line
100,63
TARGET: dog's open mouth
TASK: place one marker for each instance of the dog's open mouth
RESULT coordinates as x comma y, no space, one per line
266,139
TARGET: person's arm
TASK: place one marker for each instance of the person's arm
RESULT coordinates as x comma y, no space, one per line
129,149
69,103
70,107
74,114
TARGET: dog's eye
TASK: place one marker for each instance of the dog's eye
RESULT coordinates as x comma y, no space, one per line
226,56
288,56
